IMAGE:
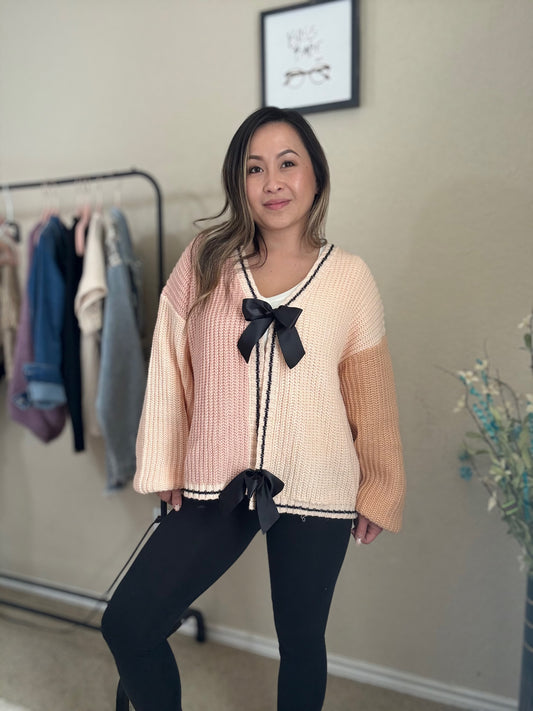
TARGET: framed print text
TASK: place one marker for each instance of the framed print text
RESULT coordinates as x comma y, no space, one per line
310,56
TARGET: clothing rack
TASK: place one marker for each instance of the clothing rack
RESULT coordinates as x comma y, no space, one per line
27,582
97,177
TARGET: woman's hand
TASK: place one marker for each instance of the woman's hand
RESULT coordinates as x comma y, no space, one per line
365,531
174,498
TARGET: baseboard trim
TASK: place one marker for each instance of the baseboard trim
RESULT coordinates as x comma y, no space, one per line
345,667
366,673
413,685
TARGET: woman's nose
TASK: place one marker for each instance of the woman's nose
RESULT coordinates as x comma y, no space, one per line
272,183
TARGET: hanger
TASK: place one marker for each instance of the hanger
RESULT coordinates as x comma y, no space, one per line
117,195
49,209
10,214
98,197
84,213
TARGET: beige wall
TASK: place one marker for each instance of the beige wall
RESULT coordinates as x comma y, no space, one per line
432,185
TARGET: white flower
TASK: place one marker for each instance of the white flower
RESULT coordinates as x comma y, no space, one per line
461,403
522,559
489,389
529,406
526,321
481,364
492,502
467,376
500,470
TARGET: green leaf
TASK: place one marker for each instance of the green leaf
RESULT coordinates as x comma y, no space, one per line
527,340
523,445
499,415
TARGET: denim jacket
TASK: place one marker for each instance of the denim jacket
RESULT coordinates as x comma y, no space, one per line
46,296
122,379
46,424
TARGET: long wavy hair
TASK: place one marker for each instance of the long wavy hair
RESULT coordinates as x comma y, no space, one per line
237,233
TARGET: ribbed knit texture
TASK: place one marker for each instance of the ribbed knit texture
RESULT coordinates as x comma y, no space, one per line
198,427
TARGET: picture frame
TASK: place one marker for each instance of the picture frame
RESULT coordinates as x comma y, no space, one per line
310,56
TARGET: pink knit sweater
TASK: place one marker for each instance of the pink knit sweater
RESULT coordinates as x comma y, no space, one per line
331,432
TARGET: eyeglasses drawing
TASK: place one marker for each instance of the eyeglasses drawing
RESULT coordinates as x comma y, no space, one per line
294,78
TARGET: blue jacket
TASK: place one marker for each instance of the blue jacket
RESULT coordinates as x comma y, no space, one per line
46,296
122,379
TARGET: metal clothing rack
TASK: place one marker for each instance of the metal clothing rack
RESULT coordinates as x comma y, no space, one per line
97,177
98,599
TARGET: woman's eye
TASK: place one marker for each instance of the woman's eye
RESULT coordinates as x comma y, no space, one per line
287,164
254,169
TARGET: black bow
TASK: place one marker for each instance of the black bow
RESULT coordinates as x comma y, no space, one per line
261,314
249,482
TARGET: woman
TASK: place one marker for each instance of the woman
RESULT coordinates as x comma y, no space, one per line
269,361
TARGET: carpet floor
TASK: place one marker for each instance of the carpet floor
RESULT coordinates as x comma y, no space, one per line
6,706
46,665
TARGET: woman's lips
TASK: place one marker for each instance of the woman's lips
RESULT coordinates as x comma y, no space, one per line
276,204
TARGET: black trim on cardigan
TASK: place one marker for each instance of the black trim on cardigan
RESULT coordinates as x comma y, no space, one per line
271,355
213,496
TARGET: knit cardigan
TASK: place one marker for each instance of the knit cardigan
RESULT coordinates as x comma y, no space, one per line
328,427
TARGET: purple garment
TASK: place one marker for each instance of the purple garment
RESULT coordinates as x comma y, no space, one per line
45,424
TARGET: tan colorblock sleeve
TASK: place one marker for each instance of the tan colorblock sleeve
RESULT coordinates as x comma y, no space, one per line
167,410
367,385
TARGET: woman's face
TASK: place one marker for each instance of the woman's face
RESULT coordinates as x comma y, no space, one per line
280,181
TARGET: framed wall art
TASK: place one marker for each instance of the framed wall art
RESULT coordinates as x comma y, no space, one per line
310,56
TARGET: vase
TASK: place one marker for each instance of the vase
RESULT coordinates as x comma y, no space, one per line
526,676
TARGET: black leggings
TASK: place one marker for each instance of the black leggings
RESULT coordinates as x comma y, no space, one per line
185,555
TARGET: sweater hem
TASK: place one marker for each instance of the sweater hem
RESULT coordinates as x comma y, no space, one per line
312,511
282,508
199,494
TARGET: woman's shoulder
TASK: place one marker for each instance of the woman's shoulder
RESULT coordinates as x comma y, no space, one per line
185,261
350,262
182,275
354,281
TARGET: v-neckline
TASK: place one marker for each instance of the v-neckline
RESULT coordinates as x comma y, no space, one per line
248,276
